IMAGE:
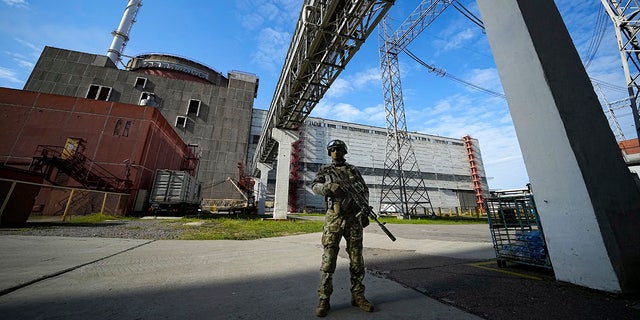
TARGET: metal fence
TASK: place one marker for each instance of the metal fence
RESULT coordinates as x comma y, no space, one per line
62,202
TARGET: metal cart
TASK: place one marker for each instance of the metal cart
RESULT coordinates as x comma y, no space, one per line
515,229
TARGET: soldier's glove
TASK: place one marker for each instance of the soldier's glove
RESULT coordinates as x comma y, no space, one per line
332,189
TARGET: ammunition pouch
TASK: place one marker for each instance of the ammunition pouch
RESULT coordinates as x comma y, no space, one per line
364,219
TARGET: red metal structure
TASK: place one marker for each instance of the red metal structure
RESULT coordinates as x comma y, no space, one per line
77,166
129,142
630,146
294,175
475,176
245,182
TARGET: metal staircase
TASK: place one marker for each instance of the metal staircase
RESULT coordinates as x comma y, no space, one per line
76,166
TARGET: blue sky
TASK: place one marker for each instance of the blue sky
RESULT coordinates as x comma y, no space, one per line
253,36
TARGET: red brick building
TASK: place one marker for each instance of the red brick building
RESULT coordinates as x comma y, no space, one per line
129,141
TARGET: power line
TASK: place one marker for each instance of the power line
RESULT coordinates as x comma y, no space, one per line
443,73
465,12
609,85
596,39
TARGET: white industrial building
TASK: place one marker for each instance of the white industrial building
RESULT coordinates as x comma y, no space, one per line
444,163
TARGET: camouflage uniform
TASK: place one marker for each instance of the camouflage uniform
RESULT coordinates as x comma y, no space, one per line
341,221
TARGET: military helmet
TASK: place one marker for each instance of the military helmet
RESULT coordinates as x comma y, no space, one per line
334,144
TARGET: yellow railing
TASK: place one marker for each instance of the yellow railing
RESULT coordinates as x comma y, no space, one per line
61,201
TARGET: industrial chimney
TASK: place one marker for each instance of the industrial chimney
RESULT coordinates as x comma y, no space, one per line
121,35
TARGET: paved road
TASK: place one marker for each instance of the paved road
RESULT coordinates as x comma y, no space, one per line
430,272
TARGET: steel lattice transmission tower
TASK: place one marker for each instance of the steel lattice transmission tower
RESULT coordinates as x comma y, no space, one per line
626,21
608,108
403,187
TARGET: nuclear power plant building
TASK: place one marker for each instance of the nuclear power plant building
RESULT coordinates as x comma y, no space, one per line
214,115
209,111
452,169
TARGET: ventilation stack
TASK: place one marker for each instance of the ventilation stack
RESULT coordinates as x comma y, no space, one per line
121,35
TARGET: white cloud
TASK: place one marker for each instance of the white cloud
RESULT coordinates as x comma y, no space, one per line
252,21
272,41
441,107
339,111
459,40
342,86
346,112
484,118
374,115
8,75
487,78
271,48
338,88
21,60
254,14
15,55
16,3
25,64
457,34
366,77
33,37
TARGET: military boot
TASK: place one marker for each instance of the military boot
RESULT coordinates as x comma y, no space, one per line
361,302
323,308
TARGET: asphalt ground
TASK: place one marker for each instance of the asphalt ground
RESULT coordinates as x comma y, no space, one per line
430,272
471,279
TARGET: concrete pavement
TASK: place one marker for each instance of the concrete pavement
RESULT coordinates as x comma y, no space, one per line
275,278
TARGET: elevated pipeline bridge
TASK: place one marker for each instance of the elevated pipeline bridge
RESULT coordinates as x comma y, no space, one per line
327,36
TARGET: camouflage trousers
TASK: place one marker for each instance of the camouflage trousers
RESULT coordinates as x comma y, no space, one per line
331,236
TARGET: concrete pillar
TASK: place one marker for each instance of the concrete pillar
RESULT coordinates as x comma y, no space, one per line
285,138
588,203
261,186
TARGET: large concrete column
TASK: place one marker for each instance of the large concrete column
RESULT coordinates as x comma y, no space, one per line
261,186
285,138
588,202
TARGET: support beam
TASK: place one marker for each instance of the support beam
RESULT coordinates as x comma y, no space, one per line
285,138
587,199
260,188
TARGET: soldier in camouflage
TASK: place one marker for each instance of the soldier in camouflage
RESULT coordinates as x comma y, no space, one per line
342,220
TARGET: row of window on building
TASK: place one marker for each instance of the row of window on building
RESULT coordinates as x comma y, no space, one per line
99,92
378,132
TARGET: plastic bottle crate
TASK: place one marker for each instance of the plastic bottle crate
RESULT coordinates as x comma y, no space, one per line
515,230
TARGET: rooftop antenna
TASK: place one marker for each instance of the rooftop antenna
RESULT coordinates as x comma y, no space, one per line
121,35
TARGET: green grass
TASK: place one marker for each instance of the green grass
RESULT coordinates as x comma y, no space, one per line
94,218
246,227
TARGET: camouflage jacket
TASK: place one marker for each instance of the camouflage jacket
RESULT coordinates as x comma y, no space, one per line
341,173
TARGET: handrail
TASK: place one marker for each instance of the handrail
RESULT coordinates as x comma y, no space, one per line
79,160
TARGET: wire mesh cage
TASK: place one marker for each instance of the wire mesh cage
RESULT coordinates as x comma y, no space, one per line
515,229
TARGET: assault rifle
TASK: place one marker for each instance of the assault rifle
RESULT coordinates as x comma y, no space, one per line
356,192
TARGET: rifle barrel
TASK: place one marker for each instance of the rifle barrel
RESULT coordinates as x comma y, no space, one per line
388,233
364,205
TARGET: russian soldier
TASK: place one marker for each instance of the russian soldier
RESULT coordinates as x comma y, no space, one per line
342,220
